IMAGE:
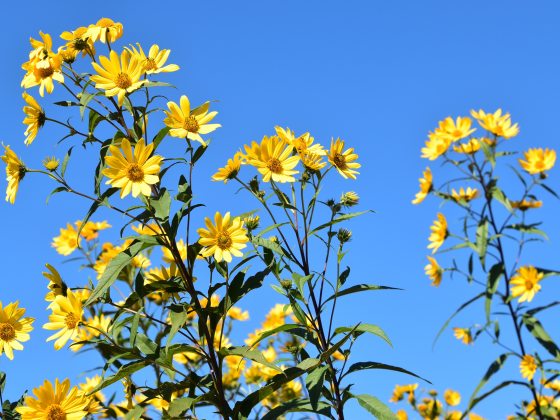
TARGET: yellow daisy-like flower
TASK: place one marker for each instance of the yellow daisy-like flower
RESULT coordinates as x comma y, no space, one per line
34,118
439,233
51,163
276,317
434,271
526,204
313,161
186,123
224,238
55,403
68,240
67,314
78,41
528,366
273,159
230,170
154,62
118,77
96,398
43,66
90,230
349,199
161,274
435,146
56,285
238,314
426,184
105,30
91,328
401,415
168,256
15,171
14,328
150,229
464,195
401,390
463,334
452,398
455,130
303,144
130,171
538,160
525,284
472,146
343,160
496,123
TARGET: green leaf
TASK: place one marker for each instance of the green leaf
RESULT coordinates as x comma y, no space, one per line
102,201
179,405
65,161
548,189
494,367
482,240
178,319
160,136
356,367
532,228
537,330
498,195
475,401
488,153
338,220
359,288
375,406
248,353
162,205
494,276
268,244
366,328
301,281
145,344
292,328
94,119
55,191
156,84
115,267
125,370
298,406
314,384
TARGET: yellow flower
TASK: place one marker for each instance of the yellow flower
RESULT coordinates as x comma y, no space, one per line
496,123
439,233
186,123
435,146
430,409
43,66
15,171
56,286
67,314
34,118
161,274
349,199
56,403
303,144
105,30
132,172
464,195
91,229
343,161
94,399
154,62
92,327
14,328
463,334
400,391
51,163
526,204
455,130
434,271
276,317
528,366
452,398
230,170
472,146
78,41
538,160
150,229
525,284
238,314
312,161
67,242
425,186
168,256
401,415
118,77
224,238
273,159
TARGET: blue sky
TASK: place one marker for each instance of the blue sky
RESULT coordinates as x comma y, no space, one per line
378,74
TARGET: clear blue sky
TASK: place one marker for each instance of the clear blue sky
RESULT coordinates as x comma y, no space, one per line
378,74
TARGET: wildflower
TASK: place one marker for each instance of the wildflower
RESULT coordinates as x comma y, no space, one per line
464,195
78,41
524,204
186,123
454,130
14,328
452,398
34,118
43,66
67,315
349,199
343,160
230,170
425,186
538,160
463,334
435,146
251,222
168,256
439,233
401,390
51,163
15,171
154,62
68,240
434,271
224,238
496,123
56,285
528,366
273,159
525,284
472,146
105,30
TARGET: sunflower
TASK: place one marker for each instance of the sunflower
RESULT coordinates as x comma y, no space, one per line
186,123
273,159
78,41
56,403
303,144
67,315
464,195
435,146
439,233
454,130
468,148
538,160
15,171
68,240
154,62
496,123
425,186
463,334
528,366
56,285
343,161
230,170
132,172
34,118
434,271
43,66
224,238
14,329
118,77
526,204
525,284
105,30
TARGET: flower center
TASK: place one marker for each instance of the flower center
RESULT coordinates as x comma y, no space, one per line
7,332
71,322
274,165
150,64
457,133
80,45
135,172
339,161
191,124
21,170
539,164
55,412
224,240
44,72
123,81
529,285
